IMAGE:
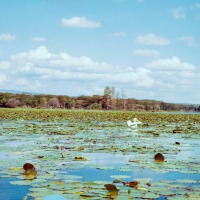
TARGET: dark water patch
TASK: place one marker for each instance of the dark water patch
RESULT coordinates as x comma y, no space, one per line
12,192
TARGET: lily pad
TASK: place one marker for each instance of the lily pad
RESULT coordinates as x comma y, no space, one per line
111,187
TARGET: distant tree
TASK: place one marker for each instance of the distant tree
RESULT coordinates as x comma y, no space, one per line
139,107
36,101
95,99
108,91
130,103
197,109
113,92
118,102
53,103
43,102
95,106
12,103
107,99
3,101
124,98
26,100
62,100
70,103
107,102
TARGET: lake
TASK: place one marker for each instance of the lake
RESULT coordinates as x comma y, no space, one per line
78,160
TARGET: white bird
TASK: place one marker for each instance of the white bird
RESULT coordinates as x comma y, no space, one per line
134,124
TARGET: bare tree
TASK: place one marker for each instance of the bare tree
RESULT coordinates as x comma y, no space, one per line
124,98
107,102
113,92
12,103
53,103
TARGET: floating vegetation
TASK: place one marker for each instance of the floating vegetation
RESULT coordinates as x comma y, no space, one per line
80,158
133,184
159,157
94,155
111,187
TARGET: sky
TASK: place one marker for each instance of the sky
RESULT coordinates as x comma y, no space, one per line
145,49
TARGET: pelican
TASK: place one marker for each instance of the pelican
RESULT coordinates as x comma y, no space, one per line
134,124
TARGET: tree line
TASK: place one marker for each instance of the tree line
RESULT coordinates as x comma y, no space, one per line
110,100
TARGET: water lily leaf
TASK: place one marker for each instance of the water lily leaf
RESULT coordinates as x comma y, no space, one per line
120,176
80,158
137,194
166,193
30,175
110,187
117,181
57,183
20,182
187,181
54,197
72,177
151,196
159,157
88,195
131,183
37,189
105,167
15,168
32,140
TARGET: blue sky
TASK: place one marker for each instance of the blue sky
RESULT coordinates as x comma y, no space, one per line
147,48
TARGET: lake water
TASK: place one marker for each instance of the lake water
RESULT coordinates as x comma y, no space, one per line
12,192
112,153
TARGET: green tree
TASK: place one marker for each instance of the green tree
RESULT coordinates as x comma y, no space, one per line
107,101
43,101
70,103
108,91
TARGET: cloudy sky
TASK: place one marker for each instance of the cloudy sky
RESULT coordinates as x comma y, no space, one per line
149,49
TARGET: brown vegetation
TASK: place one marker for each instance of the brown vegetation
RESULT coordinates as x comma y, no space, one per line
106,102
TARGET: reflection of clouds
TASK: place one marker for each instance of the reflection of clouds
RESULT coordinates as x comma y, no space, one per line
106,159
187,153
41,70
188,148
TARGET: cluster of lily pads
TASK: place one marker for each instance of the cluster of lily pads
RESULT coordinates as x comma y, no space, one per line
62,146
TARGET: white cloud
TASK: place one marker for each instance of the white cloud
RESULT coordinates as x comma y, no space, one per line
38,54
43,59
80,22
3,79
170,64
7,37
24,84
38,39
174,78
189,40
4,65
151,39
42,71
179,13
21,82
146,52
41,65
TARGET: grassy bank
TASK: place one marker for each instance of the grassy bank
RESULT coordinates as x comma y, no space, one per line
91,115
